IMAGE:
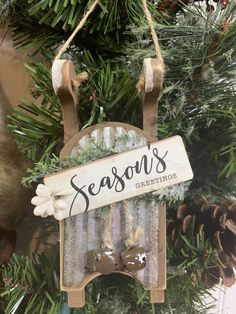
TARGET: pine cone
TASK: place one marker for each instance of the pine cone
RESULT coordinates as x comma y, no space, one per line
213,223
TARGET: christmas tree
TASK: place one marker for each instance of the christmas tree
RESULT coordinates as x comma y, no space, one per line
197,102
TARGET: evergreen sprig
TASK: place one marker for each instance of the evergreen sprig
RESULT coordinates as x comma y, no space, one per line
108,16
31,286
110,93
34,129
55,164
38,126
36,24
26,31
6,9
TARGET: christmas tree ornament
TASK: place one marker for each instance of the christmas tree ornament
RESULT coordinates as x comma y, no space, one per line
223,3
137,166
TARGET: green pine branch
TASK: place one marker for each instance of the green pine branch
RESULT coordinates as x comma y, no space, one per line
32,286
6,10
37,129
44,24
107,17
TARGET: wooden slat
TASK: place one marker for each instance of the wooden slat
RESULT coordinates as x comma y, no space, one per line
76,298
156,296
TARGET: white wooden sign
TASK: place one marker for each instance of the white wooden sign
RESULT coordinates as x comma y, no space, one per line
115,178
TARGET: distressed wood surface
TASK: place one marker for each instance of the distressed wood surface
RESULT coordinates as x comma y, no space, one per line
120,176
153,73
63,73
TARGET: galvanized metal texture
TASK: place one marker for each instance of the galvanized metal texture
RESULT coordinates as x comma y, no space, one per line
85,232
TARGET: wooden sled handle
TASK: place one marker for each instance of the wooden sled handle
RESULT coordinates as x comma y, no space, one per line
150,83
63,73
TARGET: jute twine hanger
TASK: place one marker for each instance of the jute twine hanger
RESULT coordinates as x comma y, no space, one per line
107,241
84,76
133,235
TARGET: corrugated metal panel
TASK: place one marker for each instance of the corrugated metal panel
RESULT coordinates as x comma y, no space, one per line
85,232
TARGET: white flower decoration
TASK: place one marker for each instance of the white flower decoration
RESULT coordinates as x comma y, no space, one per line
48,204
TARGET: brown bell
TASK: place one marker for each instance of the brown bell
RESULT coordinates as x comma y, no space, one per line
104,261
134,259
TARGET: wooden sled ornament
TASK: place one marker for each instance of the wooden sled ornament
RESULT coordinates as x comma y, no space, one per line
83,233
